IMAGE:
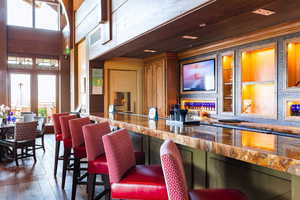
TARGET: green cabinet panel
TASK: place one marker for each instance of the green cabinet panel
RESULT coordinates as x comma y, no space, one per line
258,183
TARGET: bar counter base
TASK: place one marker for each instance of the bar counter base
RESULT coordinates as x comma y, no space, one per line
208,170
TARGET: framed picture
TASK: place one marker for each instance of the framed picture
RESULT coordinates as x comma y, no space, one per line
97,81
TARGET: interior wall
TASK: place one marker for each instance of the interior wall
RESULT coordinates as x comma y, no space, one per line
33,41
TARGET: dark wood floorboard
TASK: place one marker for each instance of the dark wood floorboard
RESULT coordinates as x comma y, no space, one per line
31,182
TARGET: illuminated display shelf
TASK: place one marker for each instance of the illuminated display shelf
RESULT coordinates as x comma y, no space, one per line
293,64
259,82
228,78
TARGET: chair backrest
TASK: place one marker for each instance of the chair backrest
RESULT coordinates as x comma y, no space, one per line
41,123
65,128
93,139
119,153
76,130
28,117
173,170
25,131
56,122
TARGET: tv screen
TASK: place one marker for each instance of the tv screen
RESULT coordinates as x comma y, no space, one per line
199,76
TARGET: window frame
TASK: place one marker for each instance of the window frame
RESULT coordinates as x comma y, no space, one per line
34,72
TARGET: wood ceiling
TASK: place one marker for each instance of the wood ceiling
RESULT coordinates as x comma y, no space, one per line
224,19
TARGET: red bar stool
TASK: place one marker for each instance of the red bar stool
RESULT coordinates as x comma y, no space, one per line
58,137
67,140
128,180
97,164
78,149
176,180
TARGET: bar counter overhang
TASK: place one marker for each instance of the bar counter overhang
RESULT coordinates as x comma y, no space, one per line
276,154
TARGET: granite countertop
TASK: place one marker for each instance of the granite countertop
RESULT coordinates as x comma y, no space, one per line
268,150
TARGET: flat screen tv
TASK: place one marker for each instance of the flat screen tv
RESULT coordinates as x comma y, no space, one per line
199,76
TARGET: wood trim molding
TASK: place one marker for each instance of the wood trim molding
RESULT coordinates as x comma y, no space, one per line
161,55
274,31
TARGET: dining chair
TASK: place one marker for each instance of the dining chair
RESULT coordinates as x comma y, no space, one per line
176,181
24,139
40,132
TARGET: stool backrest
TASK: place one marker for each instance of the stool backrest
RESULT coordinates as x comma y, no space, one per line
93,139
56,122
76,130
25,131
119,153
173,170
64,122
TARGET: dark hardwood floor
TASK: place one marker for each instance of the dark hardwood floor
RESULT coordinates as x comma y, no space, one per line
30,182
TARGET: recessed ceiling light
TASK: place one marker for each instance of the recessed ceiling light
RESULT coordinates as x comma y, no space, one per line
202,25
189,37
264,12
149,51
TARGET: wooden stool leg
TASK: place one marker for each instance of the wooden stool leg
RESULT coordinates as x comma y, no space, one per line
67,153
91,186
76,174
57,146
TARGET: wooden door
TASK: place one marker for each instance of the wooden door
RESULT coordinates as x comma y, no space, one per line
159,85
148,78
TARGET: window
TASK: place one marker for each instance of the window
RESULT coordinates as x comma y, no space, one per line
19,13
47,64
43,15
19,62
46,15
20,92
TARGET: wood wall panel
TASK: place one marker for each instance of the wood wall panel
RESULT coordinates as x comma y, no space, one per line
87,17
33,41
129,19
3,54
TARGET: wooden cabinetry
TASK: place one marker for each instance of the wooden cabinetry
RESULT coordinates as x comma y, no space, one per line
161,82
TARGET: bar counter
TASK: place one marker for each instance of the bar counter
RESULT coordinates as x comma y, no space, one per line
279,153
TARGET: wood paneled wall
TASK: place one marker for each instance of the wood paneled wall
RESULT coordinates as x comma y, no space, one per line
33,41
3,54
129,20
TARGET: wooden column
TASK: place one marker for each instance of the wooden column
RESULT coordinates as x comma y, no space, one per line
64,84
3,54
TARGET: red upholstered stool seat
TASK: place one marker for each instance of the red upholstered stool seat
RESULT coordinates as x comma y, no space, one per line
219,194
146,180
98,166
80,152
58,137
68,143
